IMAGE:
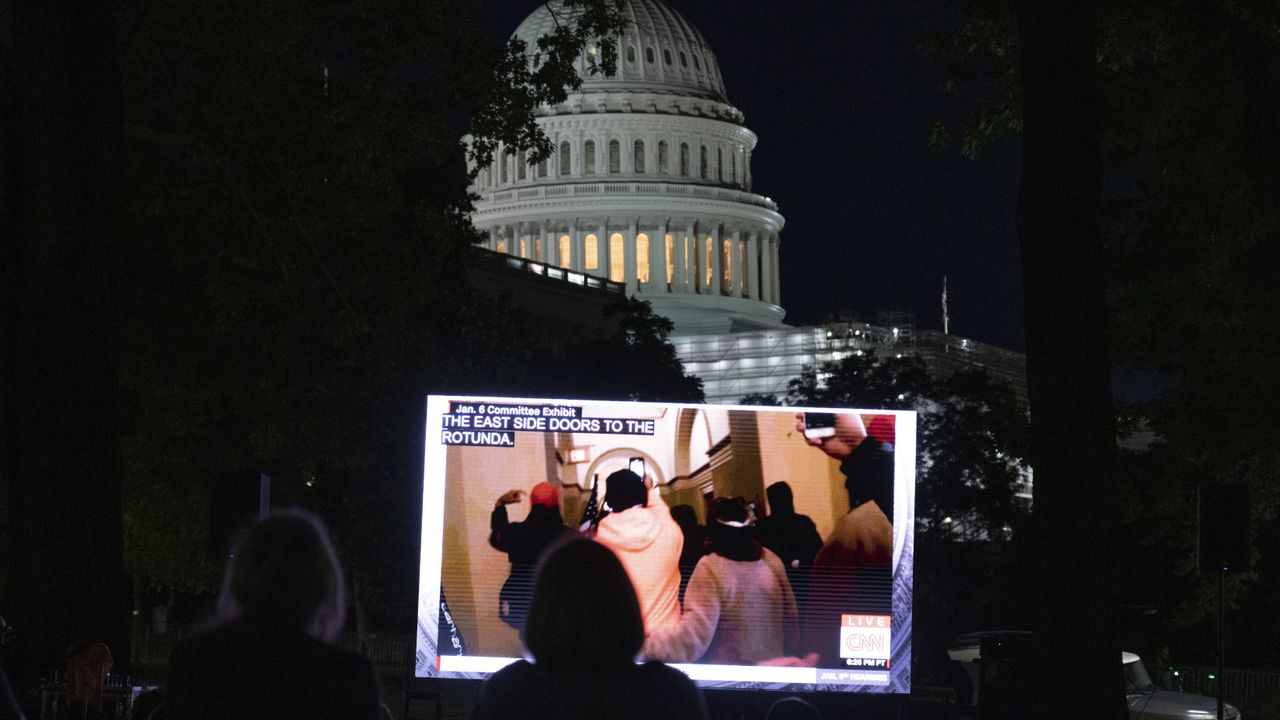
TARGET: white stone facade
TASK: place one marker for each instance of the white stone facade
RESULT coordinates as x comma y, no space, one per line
650,184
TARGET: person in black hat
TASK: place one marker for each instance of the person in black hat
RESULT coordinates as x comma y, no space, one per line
639,529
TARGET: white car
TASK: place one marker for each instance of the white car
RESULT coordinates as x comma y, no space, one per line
1145,700
1148,702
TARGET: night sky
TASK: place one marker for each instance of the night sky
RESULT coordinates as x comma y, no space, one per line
841,97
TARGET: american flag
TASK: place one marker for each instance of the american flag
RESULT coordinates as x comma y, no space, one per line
591,515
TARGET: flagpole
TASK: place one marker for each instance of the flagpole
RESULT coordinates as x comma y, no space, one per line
946,319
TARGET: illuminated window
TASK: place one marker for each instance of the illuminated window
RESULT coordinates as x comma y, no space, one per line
671,261
684,161
642,258
666,56
565,251
662,157
638,157
690,258
648,55
537,248
524,248
726,269
520,166
742,263
591,248
703,165
617,258
615,157
589,158
709,244
502,246
565,157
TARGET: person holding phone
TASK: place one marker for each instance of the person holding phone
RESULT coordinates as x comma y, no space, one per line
852,572
639,529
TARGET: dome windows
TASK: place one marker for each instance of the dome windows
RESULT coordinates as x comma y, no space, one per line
671,260
726,265
615,157
522,167
631,54
684,60
617,258
702,166
591,249
648,55
663,168
565,250
502,168
566,166
642,258
696,64
588,159
684,162
666,56
638,157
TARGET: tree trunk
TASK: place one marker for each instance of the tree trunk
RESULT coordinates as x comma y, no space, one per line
1076,668
57,374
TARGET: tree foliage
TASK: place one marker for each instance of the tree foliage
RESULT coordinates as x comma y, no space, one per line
297,234
1191,223
971,437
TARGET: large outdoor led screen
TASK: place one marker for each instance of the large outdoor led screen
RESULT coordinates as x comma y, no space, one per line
769,547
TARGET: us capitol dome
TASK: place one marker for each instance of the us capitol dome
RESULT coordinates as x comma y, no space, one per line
649,186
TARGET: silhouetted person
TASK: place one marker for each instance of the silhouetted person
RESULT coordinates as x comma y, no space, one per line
792,708
695,537
524,542
791,536
270,654
739,609
584,632
640,531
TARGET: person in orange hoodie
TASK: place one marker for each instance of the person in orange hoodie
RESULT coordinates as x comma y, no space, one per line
639,529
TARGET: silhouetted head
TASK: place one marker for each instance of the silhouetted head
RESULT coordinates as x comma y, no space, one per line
685,517
285,573
729,532
584,613
869,475
792,708
624,489
780,499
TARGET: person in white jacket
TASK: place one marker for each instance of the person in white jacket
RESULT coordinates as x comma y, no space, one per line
639,529
738,608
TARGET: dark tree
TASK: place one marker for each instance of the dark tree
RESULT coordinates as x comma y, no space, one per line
1074,605
63,575
633,361
239,232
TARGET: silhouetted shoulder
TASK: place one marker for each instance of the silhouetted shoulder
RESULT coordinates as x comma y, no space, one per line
523,690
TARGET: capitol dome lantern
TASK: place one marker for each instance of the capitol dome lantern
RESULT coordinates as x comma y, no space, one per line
650,184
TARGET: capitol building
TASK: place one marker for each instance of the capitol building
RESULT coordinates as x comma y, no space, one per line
650,191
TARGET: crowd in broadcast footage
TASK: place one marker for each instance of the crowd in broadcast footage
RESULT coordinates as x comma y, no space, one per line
754,585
